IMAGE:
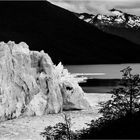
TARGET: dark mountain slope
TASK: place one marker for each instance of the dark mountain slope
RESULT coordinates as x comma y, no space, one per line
64,37
120,23
130,34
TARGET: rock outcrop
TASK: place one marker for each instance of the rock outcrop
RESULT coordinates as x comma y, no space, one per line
30,84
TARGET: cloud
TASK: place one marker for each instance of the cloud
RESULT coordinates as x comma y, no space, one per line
99,6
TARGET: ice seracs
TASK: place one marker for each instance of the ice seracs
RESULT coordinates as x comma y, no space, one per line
30,84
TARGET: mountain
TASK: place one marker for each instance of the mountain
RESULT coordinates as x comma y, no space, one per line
119,23
118,19
58,32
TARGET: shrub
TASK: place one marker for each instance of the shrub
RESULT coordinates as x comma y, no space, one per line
119,111
61,131
125,98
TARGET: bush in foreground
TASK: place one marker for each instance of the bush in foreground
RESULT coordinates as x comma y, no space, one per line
120,114
61,131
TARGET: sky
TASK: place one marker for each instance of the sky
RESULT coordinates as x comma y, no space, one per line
99,6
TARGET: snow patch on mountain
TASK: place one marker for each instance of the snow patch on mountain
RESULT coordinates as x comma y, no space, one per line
118,19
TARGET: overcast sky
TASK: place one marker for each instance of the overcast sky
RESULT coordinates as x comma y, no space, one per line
99,6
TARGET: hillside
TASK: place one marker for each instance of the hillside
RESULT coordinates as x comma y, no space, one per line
65,37
119,23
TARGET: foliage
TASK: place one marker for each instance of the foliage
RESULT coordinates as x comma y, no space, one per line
125,98
120,108
61,131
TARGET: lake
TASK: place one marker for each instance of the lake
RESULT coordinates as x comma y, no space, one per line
111,71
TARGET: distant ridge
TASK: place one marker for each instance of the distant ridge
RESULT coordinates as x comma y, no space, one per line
119,23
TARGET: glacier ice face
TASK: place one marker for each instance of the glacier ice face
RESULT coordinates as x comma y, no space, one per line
30,84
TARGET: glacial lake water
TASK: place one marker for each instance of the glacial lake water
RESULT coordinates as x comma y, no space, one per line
110,71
